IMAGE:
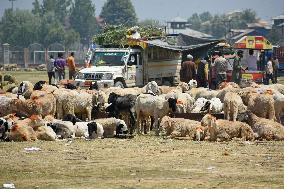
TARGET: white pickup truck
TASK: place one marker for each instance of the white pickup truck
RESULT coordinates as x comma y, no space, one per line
129,67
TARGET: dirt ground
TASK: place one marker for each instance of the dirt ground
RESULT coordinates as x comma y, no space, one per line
143,162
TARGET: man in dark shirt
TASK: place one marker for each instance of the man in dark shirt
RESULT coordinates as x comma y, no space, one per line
188,71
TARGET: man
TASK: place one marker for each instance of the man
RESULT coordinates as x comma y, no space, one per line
275,68
71,65
59,65
50,69
269,71
251,61
221,65
202,73
237,68
188,71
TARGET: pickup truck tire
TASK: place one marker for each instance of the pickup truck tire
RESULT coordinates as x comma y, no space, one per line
119,84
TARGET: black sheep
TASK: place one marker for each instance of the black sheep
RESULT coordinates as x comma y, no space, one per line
72,118
122,104
39,85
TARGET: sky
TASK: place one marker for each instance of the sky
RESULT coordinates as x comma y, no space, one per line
164,10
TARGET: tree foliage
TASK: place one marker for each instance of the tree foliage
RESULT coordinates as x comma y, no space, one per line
116,12
83,20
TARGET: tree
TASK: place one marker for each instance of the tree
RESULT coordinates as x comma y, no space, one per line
19,27
195,21
83,20
48,5
150,22
116,12
36,8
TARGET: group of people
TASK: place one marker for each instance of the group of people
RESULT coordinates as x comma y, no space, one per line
56,67
216,69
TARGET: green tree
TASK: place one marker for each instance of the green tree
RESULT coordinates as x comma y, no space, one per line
116,12
205,16
36,8
19,27
150,22
48,5
83,20
195,21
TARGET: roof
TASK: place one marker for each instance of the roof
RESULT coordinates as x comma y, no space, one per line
164,44
280,17
242,33
191,32
280,25
178,19
260,24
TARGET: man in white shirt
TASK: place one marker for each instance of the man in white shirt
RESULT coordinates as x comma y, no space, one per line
251,61
269,71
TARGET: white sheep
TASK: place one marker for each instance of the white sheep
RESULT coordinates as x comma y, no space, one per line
112,126
153,106
233,105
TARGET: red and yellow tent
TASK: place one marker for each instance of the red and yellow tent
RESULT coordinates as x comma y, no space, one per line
253,42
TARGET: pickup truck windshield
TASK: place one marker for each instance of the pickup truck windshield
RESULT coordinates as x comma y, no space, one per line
109,58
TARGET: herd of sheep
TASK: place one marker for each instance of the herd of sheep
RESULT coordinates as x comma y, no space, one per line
39,111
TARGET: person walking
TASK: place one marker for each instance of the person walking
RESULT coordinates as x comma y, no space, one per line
71,65
269,71
237,68
221,65
188,71
50,69
59,65
275,68
202,73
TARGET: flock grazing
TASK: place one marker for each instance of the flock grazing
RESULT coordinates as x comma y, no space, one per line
30,112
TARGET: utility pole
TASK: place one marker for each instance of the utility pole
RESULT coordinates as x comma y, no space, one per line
12,1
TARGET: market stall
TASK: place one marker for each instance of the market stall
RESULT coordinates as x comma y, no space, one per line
261,48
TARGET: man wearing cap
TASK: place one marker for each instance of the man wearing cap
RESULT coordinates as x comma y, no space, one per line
188,71
221,65
202,73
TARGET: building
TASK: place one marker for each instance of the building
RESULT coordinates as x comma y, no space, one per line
278,20
179,25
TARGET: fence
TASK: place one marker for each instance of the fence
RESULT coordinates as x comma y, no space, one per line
37,54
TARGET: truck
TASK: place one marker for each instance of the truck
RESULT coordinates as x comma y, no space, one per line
132,66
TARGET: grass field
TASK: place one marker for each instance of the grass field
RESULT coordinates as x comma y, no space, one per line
142,162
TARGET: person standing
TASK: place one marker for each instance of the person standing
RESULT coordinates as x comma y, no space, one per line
188,71
50,69
269,71
71,65
237,68
275,68
202,73
221,65
59,65
251,61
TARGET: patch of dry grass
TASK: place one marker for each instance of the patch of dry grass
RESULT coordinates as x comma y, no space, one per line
143,162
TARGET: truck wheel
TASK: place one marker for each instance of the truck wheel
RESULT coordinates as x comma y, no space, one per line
119,84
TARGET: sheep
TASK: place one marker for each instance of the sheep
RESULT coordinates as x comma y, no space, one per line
196,92
45,133
192,84
25,89
5,127
262,105
184,101
221,93
248,83
112,127
63,129
72,118
208,94
46,100
203,105
96,130
39,85
152,87
24,130
123,104
278,106
224,85
153,106
197,106
224,130
233,105
5,107
179,127
265,129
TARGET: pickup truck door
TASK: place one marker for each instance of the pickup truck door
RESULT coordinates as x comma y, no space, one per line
139,71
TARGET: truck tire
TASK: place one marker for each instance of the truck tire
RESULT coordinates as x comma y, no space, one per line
119,84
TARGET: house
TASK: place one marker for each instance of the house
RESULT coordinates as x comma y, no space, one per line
278,20
179,25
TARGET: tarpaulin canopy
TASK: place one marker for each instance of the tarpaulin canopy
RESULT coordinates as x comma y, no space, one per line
253,42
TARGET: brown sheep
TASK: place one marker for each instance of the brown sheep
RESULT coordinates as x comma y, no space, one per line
224,130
